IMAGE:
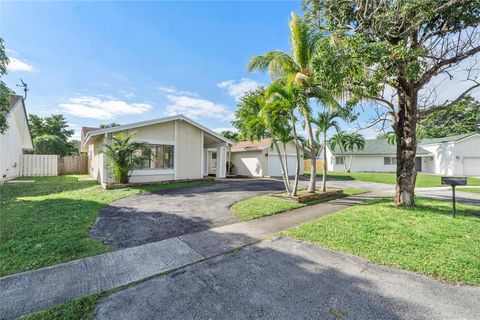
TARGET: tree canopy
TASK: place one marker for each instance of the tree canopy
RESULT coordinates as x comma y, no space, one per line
44,129
5,92
461,118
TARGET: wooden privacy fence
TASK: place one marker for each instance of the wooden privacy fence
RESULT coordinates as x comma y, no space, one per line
51,165
72,164
307,165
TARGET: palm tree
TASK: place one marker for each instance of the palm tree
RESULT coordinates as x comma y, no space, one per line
120,152
353,140
256,119
325,121
286,97
339,139
297,68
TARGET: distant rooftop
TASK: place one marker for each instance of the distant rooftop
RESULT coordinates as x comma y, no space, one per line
446,139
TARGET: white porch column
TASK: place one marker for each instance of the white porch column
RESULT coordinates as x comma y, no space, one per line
221,171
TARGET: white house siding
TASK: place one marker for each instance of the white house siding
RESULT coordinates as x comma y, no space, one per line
250,163
443,157
189,148
13,141
467,149
11,149
363,163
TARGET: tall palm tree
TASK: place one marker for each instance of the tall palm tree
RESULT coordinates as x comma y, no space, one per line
325,121
352,141
297,68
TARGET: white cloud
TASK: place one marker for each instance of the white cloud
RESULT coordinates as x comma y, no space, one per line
172,90
237,88
196,108
17,65
220,130
130,95
96,108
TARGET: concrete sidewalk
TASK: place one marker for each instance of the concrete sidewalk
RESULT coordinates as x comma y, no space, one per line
32,291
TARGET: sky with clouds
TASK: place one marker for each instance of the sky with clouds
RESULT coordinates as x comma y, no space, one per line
102,62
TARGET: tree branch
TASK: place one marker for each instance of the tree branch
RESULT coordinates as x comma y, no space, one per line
447,104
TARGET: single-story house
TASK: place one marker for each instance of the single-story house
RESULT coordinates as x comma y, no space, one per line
260,159
455,155
15,139
176,148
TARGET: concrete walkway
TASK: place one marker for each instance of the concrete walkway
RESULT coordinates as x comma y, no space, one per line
32,291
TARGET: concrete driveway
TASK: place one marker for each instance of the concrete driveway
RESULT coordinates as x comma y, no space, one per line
165,214
288,279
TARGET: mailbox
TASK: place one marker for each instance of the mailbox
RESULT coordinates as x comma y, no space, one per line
454,181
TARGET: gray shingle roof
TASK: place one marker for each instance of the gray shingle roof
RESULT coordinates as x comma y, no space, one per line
445,139
377,147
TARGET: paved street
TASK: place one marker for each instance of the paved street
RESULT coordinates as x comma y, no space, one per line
288,279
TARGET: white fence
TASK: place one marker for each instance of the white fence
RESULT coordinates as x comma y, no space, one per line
38,165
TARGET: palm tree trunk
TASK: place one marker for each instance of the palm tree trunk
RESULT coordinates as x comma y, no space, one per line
350,165
287,175
285,181
297,166
324,176
313,154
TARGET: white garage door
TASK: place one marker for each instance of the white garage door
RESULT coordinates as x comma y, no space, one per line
275,168
471,167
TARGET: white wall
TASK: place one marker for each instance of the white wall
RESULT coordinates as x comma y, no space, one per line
362,163
12,143
249,163
467,148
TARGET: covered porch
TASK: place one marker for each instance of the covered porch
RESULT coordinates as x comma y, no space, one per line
216,154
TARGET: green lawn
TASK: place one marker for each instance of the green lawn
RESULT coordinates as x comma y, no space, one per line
75,309
423,180
263,206
425,239
475,190
47,222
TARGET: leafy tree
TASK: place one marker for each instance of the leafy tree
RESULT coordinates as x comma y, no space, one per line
55,125
234,136
51,144
463,117
110,125
398,45
5,92
325,121
297,68
120,152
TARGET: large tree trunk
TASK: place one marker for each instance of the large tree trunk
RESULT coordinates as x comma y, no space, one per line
324,178
404,124
297,152
313,154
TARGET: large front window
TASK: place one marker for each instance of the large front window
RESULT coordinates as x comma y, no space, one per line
154,157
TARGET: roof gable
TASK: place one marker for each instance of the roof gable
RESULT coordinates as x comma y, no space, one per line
446,139
21,120
150,122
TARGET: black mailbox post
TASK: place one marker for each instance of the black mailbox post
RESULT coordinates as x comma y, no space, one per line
454,181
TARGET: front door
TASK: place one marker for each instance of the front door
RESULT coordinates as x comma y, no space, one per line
214,163
418,164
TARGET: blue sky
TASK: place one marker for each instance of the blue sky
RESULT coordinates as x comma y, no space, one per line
102,62
99,62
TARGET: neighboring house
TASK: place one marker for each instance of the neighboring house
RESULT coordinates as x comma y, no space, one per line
15,139
178,147
260,159
457,155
